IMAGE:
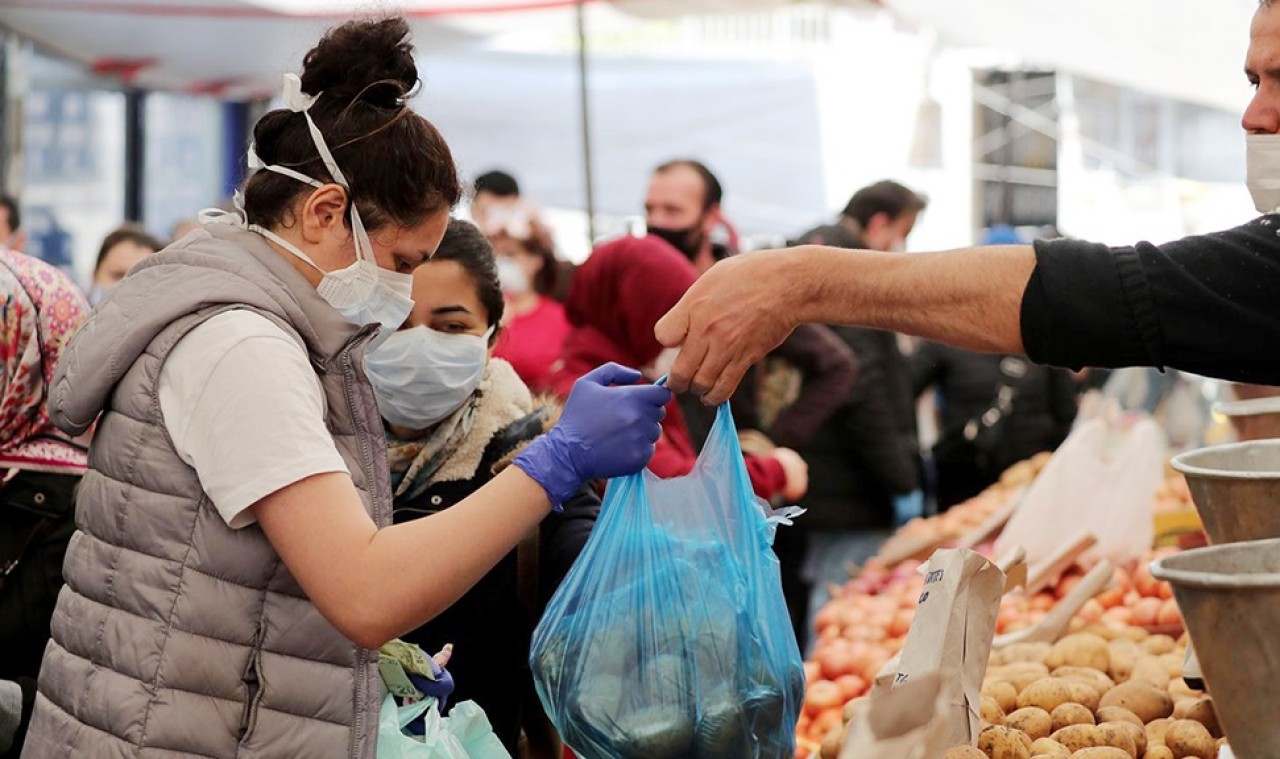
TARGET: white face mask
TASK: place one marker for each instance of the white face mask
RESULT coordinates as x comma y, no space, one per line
1262,162
421,376
512,277
364,293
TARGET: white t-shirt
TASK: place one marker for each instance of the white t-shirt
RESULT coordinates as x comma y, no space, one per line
246,410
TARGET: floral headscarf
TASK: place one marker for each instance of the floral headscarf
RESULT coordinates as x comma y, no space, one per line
40,310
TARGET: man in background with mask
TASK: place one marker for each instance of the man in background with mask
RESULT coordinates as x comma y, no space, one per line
1204,304
11,235
683,208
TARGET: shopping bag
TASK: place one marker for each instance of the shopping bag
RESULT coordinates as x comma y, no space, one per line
899,723
670,636
951,636
1101,482
465,734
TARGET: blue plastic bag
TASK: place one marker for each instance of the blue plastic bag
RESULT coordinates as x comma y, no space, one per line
670,637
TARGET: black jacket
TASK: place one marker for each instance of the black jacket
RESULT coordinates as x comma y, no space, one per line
1044,400
36,523
1204,304
867,452
491,625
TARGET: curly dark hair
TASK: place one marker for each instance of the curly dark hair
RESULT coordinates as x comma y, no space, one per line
398,165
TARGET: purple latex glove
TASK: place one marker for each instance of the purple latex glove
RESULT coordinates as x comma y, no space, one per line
608,429
439,689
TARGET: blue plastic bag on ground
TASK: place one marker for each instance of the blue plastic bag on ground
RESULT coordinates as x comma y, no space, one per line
670,637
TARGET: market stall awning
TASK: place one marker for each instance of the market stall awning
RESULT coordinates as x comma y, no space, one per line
238,48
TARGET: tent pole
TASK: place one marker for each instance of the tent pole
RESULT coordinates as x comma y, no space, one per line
584,102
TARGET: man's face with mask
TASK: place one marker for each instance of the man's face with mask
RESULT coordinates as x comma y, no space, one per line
675,210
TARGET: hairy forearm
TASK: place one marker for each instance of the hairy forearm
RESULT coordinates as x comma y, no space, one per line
970,297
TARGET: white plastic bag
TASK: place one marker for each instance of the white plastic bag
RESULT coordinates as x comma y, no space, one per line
464,734
1102,481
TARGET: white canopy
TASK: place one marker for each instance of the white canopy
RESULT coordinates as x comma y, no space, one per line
1187,49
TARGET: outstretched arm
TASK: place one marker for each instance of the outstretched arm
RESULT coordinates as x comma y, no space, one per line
744,307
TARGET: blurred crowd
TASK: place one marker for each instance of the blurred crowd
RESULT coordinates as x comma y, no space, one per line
831,421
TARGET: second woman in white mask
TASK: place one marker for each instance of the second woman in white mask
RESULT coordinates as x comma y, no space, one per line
455,418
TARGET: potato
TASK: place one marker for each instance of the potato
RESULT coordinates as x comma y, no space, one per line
1021,652
1080,650
1181,706
1124,655
1173,663
991,711
1047,693
999,742
1048,747
1158,752
1145,700
1156,730
1152,670
1101,752
1187,738
1157,645
1121,738
1077,737
1003,692
1019,675
964,752
1032,720
1178,688
1202,711
1137,736
1098,629
1118,714
1135,634
1085,694
1069,714
1098,680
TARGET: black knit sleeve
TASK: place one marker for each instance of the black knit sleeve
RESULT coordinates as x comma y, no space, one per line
1207,304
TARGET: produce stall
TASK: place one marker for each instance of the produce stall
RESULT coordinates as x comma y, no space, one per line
1088,657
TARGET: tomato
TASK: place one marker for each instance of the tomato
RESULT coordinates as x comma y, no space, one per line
1170,615
851,686
822,695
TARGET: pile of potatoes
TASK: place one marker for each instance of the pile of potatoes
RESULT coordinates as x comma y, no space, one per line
1102,693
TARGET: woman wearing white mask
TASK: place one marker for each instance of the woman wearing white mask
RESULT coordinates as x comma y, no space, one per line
455,419
236,567
534,324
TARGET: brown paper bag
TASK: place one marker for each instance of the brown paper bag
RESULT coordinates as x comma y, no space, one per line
900,723
951,636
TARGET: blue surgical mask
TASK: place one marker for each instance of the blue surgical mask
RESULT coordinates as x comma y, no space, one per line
421,376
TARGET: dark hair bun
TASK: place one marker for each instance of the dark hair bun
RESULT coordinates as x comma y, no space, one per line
367,59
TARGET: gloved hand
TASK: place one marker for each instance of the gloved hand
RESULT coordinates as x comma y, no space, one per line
907,506
604,431
439,688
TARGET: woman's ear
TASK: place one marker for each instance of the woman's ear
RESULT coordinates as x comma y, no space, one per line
324,213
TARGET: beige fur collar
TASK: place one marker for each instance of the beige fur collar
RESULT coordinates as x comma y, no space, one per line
504,399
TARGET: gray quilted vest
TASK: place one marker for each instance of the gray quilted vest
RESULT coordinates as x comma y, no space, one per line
176,636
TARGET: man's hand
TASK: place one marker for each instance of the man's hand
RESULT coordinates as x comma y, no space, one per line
736,313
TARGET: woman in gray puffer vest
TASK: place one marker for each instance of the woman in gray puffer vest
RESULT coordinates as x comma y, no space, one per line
235,567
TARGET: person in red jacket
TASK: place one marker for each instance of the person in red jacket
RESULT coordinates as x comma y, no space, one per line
615,300
534,328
